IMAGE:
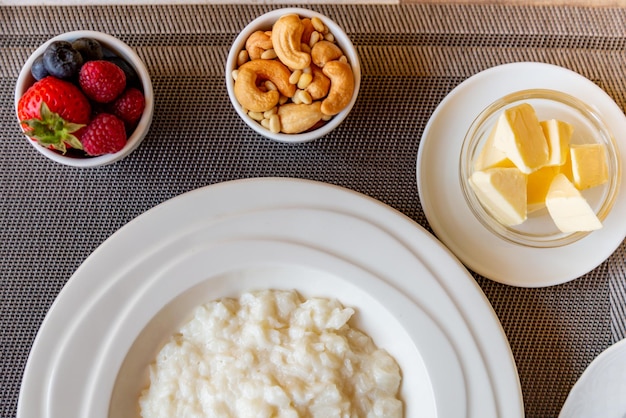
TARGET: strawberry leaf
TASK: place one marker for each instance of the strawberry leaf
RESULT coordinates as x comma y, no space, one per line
52,131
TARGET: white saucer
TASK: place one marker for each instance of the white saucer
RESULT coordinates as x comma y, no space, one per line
601,390
412,296
451,219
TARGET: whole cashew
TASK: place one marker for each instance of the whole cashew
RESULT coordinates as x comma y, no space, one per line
341,87
323,52
257,43
308,30
319,86
287,38
274,71
250,96
297,118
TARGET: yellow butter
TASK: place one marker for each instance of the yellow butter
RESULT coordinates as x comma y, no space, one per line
490,156
519,135
558,135
502,192
589,165
567,167
568,208
538,184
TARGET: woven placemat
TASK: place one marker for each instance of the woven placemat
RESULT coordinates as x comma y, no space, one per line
52,217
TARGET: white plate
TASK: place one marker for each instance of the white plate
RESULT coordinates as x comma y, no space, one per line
601,390
411,295
450,217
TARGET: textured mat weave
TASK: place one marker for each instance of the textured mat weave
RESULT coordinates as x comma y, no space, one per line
52,217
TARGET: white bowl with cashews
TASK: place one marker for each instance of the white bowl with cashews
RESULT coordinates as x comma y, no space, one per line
293,75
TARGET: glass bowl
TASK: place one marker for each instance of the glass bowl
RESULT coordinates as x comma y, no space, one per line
539,230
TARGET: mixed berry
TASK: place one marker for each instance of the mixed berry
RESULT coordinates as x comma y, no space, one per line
86,101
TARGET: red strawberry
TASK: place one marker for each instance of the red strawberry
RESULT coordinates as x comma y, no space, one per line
52,111
129,106
102,81
105,134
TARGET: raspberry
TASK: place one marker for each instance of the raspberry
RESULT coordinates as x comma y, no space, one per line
105,134
102,81
129,106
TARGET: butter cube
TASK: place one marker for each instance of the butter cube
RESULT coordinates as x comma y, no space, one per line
558,135
490,156
502,191
567,167
519,135
568,208
589,166
538,185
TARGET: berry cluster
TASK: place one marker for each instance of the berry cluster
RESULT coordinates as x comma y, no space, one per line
86,100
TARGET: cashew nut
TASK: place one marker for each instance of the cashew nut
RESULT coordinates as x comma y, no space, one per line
274,71
341,87
257,43
250,96
306,86
323,52
297,118
319,86
286,38
308,30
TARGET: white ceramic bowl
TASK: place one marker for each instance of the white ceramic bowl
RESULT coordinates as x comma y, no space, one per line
539,230
265,22
25,80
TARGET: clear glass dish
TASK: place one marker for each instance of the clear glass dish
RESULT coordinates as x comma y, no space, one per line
539,230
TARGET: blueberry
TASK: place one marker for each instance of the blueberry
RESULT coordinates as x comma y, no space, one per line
38,70
107,54
61,60
89,49
132,79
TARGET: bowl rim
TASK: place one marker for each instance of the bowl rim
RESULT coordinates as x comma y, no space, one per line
470,143
25,80
266,20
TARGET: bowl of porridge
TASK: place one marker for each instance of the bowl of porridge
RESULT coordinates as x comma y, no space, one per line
269,342
272,353
279,311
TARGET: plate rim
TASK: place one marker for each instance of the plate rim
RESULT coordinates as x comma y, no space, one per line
619,349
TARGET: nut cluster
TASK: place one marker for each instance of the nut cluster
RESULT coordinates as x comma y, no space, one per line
293,78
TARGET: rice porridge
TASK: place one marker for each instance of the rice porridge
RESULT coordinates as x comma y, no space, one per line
272,354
